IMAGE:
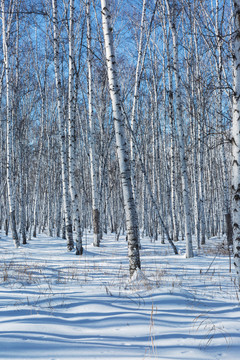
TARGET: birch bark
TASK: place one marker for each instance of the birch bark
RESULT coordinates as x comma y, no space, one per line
10,187
43,92
49,183
219,63
124,163
173,129
19,123
236,143
179,120
72,137
192,68
200,115
93,162
66,197
140,61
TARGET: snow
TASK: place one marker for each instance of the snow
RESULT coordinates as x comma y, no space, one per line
55,305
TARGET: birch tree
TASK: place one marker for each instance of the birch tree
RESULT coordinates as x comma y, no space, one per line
179,121
93,162
6,26
172,124
65,180
72,134
139,66
123,159
219,65
199,136
236,142
20,125
42,88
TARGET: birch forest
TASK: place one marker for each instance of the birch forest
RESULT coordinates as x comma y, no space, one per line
120,117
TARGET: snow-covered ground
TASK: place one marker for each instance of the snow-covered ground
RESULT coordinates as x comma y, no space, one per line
55,305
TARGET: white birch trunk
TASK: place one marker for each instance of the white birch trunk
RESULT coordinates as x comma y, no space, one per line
219,61
20,138
11,193
154,180
37,178
41,141
179,120
22,195
136,95
58,202
93,162
200,114
173,131
66,197
72,137
49,188
236,143
124,163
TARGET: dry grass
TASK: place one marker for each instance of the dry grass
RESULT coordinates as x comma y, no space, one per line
12,273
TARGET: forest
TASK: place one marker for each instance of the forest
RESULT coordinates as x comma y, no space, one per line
120,119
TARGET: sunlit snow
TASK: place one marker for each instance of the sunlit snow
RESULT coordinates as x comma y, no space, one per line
55,305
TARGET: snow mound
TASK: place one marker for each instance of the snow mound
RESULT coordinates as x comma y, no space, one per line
139,281
138,276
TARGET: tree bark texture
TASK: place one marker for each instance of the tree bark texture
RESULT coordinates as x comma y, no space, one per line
236,143
124,163
10,186
66,197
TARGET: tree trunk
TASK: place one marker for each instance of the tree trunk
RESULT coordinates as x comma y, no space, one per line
10,186
124,163
66,197
72,137
236,143
185,184
93,162
139,66
219,62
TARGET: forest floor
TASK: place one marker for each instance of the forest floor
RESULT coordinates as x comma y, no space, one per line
55,305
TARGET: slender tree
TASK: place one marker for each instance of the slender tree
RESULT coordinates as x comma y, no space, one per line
93,162
124,163
179,121
6,26
236,142
72,135
65,179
